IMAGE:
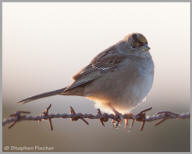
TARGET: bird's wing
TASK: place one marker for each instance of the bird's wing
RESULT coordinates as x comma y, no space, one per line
106,61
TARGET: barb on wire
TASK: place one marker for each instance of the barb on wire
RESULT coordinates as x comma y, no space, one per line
102,117
46,113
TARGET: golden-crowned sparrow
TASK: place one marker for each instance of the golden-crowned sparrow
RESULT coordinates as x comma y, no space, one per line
118,78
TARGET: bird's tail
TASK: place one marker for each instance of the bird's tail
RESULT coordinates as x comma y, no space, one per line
47,94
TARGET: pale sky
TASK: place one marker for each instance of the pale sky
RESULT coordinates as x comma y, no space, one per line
45,44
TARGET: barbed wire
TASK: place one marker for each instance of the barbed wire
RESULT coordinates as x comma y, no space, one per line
117,118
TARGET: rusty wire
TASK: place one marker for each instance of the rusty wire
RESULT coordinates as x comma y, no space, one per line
102,117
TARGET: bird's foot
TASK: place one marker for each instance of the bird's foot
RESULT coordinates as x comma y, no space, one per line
117,118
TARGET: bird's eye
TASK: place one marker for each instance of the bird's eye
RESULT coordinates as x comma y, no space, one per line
137,44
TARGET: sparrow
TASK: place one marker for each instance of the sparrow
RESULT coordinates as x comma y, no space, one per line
117,79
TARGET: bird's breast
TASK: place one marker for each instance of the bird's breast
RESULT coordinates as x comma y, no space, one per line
123,88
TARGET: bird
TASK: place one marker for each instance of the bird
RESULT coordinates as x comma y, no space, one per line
117,79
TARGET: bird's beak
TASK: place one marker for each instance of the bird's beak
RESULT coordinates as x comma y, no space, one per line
146,48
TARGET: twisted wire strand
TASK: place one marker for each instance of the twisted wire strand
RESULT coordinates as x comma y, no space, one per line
117,118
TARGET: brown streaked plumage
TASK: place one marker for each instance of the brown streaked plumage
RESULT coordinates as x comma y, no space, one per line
120,76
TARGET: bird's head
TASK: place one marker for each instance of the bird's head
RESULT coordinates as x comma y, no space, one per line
136,42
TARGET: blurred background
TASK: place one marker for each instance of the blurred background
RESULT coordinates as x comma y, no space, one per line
45,44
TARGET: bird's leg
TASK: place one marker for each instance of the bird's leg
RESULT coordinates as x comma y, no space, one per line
125,123
129,116
117,119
